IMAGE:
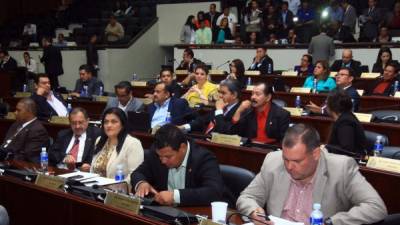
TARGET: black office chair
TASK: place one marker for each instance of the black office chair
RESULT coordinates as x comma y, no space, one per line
388,116
392,219
392,152
370,137
4,220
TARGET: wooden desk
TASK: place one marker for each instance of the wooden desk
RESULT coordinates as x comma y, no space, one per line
6,84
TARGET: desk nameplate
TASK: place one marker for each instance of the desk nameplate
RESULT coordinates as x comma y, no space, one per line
124,202
387,164
300,90
50,182
226,139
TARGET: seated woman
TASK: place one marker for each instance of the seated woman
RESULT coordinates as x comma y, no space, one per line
237,72
347,132
222,32
384,57
325,83
306,67
203,90
115,147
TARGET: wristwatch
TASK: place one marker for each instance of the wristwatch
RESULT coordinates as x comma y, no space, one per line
328,221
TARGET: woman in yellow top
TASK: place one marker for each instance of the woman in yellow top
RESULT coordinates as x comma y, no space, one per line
203,90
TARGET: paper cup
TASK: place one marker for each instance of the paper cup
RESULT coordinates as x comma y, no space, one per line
219,211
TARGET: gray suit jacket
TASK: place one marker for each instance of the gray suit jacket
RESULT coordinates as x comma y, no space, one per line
321,47
135,105
343,192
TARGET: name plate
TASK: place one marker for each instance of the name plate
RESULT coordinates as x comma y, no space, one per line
216,72
381,163
333,73
209,222
294,111
22,94
102,98
139,83
363,117
226,139
252,73
360,92
124,202
50,182
289,73
397,94
249,87
300,90
181,72
10,116
59,120
370,75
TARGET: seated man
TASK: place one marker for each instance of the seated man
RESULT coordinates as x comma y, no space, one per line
125,99
347,61
7,63
26,137
178,172
114,30
344,81
262,62
303,173
385,85
220,120
167,77
75,145
48,103
87,85
166,109
188,63
260,119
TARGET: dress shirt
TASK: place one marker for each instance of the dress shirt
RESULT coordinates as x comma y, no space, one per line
160,115
177,177
82,140
284,15
27,123
262,117
57,105
123,107
31,66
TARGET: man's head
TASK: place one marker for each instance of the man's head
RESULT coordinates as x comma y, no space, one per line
113,20
171,145
229,91
306,60
3,54
60,37
213,8
390,71
371,3
166,75
188,55
123,91
226,11
202,24
260,52
79,120
261,95
25,110
46,41
85,72
301,151
344,77
285,6
254,4
161,93
42,81
347,56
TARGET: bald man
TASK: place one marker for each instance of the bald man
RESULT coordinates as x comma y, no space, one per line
347,61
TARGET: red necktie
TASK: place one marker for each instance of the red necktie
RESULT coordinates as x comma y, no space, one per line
75,148
211,125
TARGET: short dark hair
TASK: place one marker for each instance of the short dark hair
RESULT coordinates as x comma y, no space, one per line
394,65
77,110
233,86
169,69
267,88
4,51
285,3
167,88
350,70
124,85
203,67
309,57
308,135
169,136
339,102
189,52
40,75
87,68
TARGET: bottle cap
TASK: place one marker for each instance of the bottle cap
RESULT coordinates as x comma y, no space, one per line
316,206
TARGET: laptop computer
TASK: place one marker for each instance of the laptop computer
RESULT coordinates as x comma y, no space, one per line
169,214
138,121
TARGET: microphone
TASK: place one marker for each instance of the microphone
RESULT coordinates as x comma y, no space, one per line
223,64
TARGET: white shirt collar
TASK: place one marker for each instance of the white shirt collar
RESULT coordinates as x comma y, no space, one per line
29,122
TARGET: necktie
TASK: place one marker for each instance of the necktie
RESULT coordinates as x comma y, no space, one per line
75,148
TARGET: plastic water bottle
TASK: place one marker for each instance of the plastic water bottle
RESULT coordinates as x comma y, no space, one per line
44,160
352,105
395,87
315,86
249,81
101,92
316,217
119,175
134,77
297,102
269,68
24,88
168,118
378,147
69,108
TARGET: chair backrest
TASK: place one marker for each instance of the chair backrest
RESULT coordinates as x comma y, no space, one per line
4,220
370,137
392,152
386,115
236,179
392,219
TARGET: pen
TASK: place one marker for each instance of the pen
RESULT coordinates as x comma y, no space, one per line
266,217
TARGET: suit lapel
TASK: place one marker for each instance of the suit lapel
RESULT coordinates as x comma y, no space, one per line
284,185
320,179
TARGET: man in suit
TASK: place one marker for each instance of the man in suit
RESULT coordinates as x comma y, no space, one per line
178,172
75,145
167,77
347,61
125,99
262,62
87,85
92,57
26,137
52,60
321,46
188,63
48,103
369,22
167,109
260,119
385,85
285,19
7,63
220,120
212,16
304,172
349,16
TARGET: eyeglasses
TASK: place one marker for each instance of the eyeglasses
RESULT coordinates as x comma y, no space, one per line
232,65
341,74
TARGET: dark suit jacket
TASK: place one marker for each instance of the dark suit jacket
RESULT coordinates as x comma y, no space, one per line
203,181
347,133
214,24
190,67
92,58
263,65
28,143
10,65
58,150
176,89
93,84
352,92
388,91
179,109
44,109
223,123
275,127
354,65
289,20
52,60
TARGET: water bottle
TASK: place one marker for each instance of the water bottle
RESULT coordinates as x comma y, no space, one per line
378,147
316,217
119,175
25,88
85,88
69,108
269,68
315,86
134,77
168,118
101,92
44,160
249,81
297,102
352,105
395,87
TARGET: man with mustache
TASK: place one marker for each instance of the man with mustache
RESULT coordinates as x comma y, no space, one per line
260,120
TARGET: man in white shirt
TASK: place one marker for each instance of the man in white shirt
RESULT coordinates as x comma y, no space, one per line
232,20
125,99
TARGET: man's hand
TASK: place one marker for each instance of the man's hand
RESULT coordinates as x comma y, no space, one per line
194,88
313,107
165,198
220,104
41,91
74,94
85,167
144,189
244,106
261,220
